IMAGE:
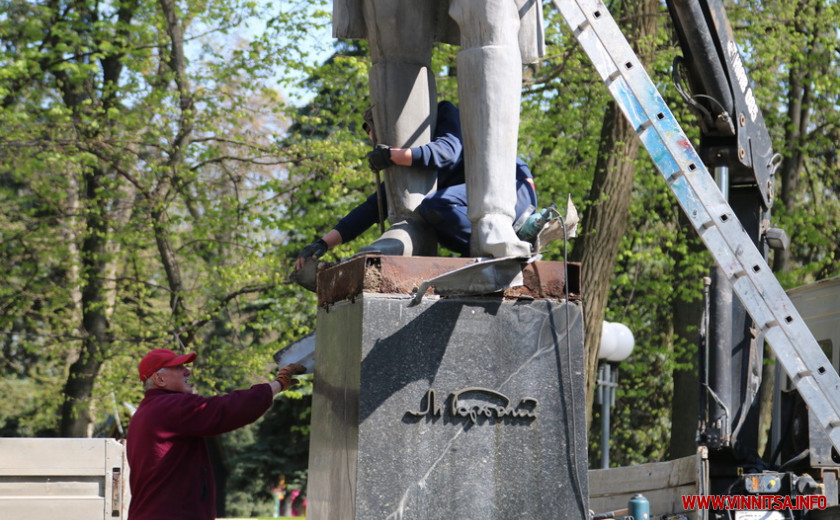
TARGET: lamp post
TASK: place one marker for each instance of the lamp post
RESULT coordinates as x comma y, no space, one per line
616,345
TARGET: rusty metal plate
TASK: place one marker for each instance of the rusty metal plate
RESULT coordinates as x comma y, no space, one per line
403,274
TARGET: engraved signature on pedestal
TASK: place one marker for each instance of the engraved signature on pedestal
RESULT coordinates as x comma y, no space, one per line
475,402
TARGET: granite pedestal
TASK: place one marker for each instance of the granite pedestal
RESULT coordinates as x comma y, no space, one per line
452,409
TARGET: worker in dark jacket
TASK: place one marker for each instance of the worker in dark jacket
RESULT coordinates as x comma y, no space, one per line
445,210
171,477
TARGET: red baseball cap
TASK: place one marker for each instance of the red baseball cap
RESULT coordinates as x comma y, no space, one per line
161,358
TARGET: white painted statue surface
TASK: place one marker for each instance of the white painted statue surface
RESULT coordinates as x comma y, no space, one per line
496,37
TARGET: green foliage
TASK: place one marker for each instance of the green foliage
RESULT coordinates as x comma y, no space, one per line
275,447
108,142
562,111
156,197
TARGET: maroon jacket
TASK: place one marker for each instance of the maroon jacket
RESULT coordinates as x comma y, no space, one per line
170,473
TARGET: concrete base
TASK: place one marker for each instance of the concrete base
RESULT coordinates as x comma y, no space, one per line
463,409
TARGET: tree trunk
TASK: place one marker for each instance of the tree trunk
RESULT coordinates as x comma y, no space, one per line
98,266
75,409
605,220
604,223
685,401
177,62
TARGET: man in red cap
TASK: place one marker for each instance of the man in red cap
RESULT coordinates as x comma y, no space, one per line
171,476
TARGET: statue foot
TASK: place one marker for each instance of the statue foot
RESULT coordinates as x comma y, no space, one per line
405,238
493,236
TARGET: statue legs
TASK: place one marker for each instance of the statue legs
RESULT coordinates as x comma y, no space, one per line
490,84
402,89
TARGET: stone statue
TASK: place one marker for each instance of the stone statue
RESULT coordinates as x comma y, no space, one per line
496,38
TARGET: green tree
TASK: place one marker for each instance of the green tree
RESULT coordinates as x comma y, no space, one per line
137,166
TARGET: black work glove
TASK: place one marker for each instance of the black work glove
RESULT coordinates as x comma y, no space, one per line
316,249
380,157
284,376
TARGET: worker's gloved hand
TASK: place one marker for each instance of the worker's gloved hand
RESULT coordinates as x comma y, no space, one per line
284,376
380,157
316,249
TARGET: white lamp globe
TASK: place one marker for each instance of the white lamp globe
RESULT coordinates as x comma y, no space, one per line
624,342
609,342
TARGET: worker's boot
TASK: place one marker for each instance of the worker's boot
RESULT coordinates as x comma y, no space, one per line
405,111
490,83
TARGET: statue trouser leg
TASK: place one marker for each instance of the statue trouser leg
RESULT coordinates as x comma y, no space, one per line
402,90
489,86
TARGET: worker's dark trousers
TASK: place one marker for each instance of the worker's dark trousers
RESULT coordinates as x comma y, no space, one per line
446,211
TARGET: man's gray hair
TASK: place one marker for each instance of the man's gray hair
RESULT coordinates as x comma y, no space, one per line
148,384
